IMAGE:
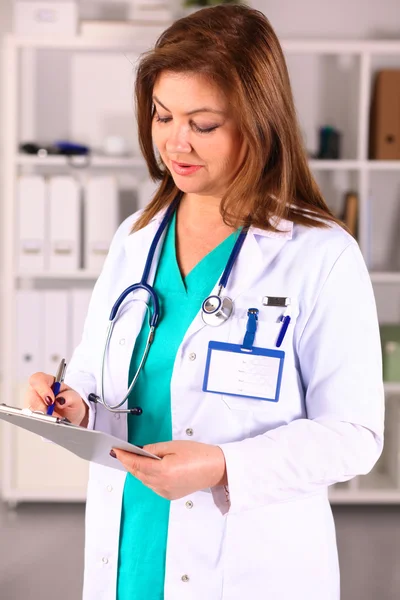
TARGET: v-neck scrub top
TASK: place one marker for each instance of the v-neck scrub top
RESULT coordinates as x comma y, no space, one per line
145,515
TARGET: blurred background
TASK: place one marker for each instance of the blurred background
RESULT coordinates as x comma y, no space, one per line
71,171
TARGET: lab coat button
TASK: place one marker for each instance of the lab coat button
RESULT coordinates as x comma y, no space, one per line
192,356
185,578
117,416
105,560
189,504
122,341
109,488
189,431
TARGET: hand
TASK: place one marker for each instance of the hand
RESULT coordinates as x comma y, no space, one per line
69,404
186,467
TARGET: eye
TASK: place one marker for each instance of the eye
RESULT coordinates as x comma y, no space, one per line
207,130
162,119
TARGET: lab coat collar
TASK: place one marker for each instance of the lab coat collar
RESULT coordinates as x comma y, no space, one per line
253,259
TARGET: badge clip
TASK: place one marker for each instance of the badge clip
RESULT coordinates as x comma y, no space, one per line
251,328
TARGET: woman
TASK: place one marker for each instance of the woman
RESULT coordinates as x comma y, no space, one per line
249,443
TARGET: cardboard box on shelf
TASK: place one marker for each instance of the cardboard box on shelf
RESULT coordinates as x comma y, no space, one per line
34,17
385,116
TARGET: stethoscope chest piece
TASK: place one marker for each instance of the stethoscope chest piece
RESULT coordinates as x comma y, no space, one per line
216,310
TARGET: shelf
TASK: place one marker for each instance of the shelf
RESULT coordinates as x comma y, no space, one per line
138,162
80,274
370,165
294,46
334,165
385,277
139,42
384,165
384,496
392,387
95,161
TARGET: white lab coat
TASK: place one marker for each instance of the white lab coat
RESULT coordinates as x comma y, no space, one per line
275,539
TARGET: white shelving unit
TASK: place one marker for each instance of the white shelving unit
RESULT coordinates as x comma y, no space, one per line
332,83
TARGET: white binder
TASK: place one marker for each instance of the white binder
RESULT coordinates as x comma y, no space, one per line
56,329
87,443
31,207
79,304
64,223
29,333
101,219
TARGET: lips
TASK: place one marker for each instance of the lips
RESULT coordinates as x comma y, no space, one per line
185,168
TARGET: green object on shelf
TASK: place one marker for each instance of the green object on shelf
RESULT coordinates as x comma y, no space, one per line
390,339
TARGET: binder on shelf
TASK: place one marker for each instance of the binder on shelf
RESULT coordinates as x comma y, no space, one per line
146,192
385,116
64,224
101,219
31,227
79,304
29,333
56,329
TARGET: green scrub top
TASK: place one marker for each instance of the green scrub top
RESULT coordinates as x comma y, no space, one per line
145,515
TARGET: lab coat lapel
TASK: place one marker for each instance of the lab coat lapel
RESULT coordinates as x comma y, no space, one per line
253,259
137,246
256,257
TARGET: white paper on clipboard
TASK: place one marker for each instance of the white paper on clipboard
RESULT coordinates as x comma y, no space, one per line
88,444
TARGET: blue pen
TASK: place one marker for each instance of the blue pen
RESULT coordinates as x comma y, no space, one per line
57,384
284,328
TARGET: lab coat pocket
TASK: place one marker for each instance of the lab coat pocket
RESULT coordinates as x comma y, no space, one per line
266,337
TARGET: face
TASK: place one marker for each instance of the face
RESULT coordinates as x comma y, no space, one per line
196,134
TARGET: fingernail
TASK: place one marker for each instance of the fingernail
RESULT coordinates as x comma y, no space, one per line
61,401
112,453
48,401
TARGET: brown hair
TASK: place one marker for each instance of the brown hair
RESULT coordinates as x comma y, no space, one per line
236,47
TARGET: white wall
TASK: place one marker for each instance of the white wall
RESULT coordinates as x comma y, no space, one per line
5,25
334,19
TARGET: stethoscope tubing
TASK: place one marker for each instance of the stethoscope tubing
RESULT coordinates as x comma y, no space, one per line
215,317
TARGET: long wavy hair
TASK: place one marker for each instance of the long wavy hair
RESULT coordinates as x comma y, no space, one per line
236,47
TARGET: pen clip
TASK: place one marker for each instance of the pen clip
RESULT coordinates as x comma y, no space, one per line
61,371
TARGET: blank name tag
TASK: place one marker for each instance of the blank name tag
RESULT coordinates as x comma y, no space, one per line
234,371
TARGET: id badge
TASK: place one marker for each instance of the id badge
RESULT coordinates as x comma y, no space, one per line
234,370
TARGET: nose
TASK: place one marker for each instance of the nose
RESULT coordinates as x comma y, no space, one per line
178,140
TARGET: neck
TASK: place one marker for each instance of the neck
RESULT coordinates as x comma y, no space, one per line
200,211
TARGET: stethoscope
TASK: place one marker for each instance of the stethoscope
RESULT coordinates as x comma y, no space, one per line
215,310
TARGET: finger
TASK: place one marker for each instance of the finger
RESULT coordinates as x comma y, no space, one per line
34,401
66,399
41,383
135,464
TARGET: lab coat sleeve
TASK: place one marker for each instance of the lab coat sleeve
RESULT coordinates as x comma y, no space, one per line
81,371
339,358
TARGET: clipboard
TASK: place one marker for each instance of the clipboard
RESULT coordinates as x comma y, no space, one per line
88,444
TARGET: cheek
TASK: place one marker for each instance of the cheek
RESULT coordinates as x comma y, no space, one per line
157,138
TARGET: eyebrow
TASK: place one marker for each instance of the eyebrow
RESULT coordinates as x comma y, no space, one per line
192,112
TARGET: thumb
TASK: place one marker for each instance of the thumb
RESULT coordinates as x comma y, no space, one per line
160,449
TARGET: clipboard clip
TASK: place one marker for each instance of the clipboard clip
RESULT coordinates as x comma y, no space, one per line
41,416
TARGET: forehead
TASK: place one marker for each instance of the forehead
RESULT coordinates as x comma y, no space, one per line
187,90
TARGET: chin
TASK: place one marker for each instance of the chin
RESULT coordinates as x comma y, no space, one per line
190,187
